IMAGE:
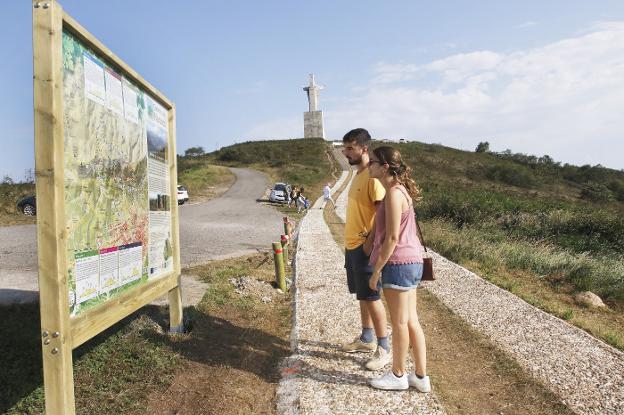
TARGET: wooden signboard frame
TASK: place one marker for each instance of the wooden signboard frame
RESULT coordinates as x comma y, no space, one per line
60,332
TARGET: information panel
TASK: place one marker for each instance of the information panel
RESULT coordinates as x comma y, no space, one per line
117,184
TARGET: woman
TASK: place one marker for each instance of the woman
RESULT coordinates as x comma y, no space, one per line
397,259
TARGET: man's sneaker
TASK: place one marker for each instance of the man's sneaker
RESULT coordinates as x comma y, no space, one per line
380,359
422,385
390,382
357,345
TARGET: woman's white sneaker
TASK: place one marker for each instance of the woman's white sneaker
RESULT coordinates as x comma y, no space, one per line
390,382
422,385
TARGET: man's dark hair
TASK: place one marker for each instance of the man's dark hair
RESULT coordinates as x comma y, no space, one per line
358,136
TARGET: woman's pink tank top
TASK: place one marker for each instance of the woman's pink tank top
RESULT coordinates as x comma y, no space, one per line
408,249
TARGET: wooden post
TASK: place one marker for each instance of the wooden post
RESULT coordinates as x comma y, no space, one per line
176,322
280,277
285,219
51,232
284,241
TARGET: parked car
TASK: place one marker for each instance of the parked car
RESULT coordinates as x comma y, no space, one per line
28,205
182,195
280,193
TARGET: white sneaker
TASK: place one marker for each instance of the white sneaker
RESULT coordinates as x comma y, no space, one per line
380,359
422,385
390,382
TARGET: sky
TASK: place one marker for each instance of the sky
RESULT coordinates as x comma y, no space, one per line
536,77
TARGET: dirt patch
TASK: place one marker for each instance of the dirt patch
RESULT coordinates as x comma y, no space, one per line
472,376
249,287
212,192
235,346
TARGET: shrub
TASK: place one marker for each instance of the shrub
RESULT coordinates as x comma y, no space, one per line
596,192
230,155
617,187
513,175
483,147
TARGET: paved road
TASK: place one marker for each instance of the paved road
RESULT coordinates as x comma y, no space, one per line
231,225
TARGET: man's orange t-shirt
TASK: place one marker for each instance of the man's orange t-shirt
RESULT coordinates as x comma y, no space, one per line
363,194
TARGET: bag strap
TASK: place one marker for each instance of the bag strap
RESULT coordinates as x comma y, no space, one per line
420,235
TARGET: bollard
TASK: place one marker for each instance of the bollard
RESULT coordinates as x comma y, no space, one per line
278,258
284,240
285,219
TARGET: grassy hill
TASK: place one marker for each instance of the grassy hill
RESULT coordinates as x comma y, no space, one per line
539,229
301,162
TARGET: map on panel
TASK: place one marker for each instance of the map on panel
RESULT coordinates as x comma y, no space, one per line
117,190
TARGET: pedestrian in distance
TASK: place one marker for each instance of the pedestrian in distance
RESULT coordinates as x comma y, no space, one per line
293,196
364,194
327,196
300,201
397,261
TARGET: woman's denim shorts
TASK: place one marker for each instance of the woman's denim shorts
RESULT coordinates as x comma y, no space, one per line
401,276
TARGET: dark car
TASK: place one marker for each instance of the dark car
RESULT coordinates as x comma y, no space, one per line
28,205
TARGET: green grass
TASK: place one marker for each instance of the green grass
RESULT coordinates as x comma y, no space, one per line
300,162
524,213
600,274
112,372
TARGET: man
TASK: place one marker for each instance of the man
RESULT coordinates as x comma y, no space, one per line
364,194
327,196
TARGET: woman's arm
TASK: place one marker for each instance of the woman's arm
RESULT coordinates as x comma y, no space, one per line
393,224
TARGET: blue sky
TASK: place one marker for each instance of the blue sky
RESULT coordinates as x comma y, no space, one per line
539,77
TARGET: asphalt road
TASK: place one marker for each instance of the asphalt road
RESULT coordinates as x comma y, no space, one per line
231,225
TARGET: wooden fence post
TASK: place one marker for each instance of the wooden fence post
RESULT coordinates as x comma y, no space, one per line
278,258
284,241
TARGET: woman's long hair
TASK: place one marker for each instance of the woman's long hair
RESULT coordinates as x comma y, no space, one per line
398,169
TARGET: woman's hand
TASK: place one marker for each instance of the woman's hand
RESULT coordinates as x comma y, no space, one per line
374,280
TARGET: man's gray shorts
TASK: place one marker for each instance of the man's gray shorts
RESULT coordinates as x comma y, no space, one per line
358,274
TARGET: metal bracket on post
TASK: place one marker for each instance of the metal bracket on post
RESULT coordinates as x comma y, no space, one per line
177,330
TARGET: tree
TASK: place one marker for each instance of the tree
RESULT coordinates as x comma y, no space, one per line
483,147
194,151
7,179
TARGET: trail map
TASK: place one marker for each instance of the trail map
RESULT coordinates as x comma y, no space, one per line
117,193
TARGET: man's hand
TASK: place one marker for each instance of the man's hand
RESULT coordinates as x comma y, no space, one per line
368,247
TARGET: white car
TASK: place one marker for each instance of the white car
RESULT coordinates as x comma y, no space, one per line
280,193
182,195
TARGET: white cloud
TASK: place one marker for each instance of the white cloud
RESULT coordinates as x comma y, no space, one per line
557,99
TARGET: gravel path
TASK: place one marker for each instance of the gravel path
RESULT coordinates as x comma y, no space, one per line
586,373
319,378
